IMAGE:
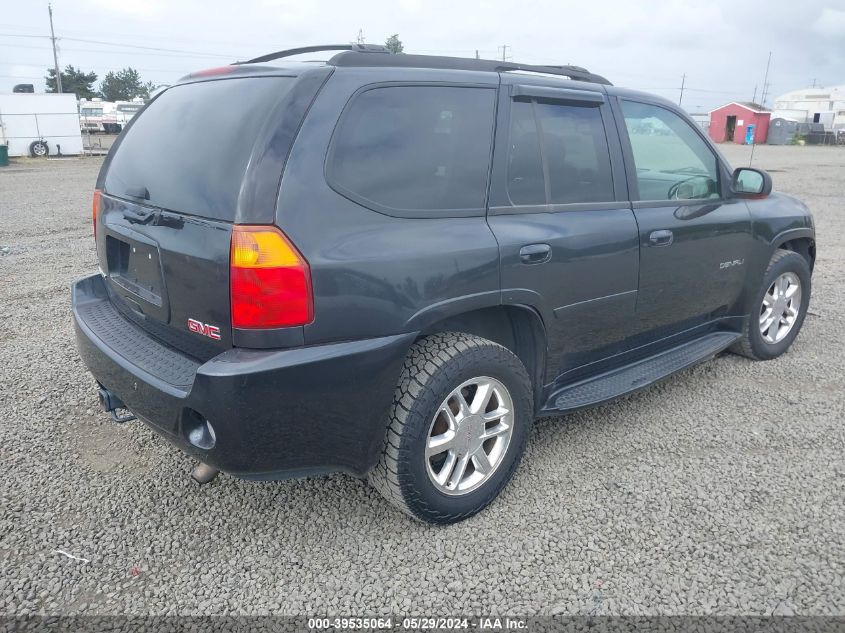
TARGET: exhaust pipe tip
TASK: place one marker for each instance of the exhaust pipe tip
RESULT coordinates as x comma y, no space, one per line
203,474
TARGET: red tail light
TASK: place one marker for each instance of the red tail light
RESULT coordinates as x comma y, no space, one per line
270,281
211,72
95,209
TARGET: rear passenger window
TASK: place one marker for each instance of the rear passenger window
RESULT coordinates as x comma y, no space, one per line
574,151
526,184
415,148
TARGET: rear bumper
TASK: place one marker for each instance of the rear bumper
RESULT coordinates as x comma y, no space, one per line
275,413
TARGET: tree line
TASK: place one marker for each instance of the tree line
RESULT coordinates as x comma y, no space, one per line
120,85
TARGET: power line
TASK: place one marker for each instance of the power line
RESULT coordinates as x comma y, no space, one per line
147,48
124,45
45,37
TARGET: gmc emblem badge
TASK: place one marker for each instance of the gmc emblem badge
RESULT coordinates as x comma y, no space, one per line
211,331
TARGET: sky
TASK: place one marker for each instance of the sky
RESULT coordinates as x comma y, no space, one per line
720,46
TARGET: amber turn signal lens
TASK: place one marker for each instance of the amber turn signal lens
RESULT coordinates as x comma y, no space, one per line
95,208
258,247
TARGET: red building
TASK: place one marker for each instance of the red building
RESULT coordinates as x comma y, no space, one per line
729,123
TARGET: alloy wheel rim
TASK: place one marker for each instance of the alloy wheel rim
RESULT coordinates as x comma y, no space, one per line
779,311
40,149
469,436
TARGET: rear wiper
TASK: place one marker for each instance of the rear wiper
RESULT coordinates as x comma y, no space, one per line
139,217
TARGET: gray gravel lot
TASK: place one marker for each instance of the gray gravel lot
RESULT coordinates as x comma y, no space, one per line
719,491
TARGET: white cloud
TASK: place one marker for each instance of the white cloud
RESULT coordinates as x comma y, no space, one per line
145,8
830,23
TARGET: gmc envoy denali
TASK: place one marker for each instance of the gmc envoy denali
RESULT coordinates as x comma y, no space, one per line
390,265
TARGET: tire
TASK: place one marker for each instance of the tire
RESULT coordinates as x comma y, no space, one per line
434,369
753,343
39,149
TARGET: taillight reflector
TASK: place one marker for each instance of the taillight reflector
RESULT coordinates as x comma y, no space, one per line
95,209
269,280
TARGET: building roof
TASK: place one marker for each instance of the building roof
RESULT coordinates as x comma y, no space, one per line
754,106
831,93
748,105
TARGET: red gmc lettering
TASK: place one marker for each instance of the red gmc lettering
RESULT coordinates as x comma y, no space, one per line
211,331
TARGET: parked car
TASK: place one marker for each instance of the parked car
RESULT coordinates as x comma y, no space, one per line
390,265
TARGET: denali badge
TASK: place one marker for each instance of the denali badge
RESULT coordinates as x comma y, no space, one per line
736,262
211,331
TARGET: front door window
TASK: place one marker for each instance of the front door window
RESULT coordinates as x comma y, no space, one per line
673,162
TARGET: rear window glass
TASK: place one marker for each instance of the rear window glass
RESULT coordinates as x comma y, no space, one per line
415,148
189,149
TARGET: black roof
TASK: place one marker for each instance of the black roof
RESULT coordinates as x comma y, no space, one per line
371,55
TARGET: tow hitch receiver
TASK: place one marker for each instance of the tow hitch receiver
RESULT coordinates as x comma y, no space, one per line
110,403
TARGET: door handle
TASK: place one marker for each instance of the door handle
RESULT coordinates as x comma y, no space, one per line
663,237
535,253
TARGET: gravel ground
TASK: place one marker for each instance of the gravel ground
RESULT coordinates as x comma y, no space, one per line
719,491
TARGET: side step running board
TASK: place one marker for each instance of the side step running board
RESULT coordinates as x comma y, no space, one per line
638,375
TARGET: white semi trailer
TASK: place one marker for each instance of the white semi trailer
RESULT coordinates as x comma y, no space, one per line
39,124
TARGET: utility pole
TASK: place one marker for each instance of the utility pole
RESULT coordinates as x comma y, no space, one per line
683,80
476,54
360,36
55,56
766,81
765,94
504,48
814,83
754,98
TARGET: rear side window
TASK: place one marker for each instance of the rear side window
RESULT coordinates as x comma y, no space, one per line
415,149
570,142
526,183
189,149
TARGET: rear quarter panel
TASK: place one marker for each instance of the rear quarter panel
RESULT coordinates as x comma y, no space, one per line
374,274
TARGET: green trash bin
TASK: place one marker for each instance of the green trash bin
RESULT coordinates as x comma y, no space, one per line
4,155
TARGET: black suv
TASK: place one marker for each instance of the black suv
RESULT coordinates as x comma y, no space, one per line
389,265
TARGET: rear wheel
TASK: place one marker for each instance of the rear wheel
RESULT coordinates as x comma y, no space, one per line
778,309
457,428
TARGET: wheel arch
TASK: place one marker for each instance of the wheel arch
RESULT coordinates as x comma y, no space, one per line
801,241
518,328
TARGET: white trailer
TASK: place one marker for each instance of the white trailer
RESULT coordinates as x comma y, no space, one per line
109,117
50,118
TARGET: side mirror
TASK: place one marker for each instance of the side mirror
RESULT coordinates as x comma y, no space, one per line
751,183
